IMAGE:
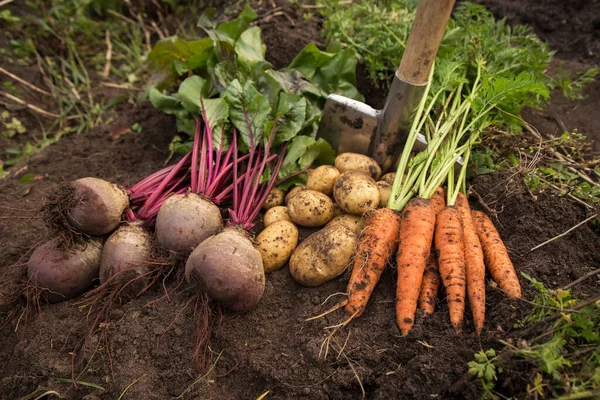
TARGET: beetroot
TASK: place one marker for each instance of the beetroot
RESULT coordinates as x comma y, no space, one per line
185,220
126,255
63,271
89,205
230,268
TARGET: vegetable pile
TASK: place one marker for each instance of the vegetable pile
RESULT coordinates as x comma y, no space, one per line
249,144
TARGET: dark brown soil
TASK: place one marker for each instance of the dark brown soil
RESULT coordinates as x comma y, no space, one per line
271,348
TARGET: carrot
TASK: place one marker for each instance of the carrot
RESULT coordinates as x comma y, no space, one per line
496,256
431,278
474,266
430,285
416,232
377,242
438,200
449,245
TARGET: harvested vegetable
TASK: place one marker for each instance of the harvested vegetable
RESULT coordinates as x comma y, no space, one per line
293,192
385,189
353,222
356,192
358,162
275,214
377,243
90,205
274,199
430,285
126,256
60,271
497,259
276,244
474,264
322,179
310,208
323,256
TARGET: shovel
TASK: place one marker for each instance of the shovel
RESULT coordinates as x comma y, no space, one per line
351,126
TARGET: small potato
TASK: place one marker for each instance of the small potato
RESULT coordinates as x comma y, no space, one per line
356,192
310,209
278,213
357,162
322,179
389,177
276,244
293,192
323,256
352,222
274,199
385,189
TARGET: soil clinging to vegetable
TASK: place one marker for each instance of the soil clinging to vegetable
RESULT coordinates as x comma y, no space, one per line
271,348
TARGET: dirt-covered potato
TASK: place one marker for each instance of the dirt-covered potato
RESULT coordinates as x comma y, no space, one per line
357,162
389,177
322,179
276,244
356,192
323,255
310,209
353,222
385,189
295,190
279,213
274,199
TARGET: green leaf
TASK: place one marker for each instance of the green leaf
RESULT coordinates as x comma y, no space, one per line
234,28
215,113
304,151
250,48
291,111
331,72
189,54
167,104
190,92
248,111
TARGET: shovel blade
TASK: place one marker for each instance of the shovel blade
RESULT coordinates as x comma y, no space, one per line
348,125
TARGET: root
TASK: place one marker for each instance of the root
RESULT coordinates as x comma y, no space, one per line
206,318
332,309
55,213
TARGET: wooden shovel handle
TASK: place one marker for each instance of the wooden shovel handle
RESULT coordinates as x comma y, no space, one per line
424,40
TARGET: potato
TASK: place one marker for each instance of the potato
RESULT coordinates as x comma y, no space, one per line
389,177
293,192
274,199
353,222
310,209
322,179
323,255
356,192
276,244
385,189
357,162
278,213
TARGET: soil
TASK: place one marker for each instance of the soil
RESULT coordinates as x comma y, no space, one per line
272,348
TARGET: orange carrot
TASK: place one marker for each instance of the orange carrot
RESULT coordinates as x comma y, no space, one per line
449,245
430,285
431,278
496,256
438,200
416,232
474,266
377,242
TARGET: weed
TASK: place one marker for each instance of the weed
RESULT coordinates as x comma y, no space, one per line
10,126
563,360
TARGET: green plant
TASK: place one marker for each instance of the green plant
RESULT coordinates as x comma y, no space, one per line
484,367
562,360
11,126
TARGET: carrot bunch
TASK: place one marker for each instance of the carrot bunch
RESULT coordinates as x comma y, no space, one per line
436,238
